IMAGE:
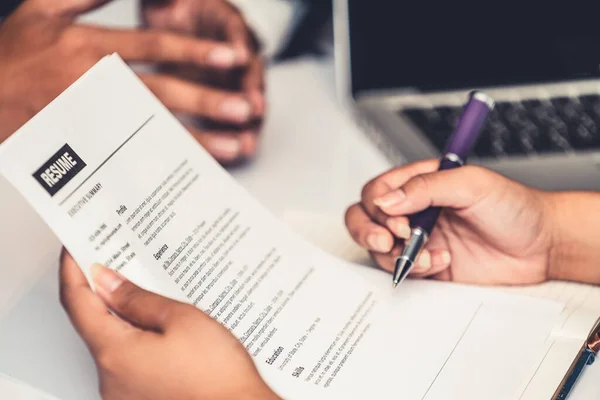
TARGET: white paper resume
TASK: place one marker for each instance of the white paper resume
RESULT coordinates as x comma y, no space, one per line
122,183
126,186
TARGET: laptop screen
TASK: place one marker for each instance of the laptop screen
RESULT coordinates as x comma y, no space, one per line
433,46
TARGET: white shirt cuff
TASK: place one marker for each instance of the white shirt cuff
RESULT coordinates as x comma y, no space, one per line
271,21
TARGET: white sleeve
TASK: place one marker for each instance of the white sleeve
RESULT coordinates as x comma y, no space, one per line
271,20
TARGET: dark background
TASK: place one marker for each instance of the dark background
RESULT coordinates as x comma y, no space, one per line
433,45
7,6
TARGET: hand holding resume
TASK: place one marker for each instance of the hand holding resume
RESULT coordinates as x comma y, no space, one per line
122,183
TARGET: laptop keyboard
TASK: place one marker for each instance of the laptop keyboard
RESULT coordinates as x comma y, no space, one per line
527,127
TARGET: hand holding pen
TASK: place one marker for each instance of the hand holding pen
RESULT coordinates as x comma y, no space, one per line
459,147
491,230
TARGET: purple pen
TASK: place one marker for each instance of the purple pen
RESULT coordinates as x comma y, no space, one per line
461,142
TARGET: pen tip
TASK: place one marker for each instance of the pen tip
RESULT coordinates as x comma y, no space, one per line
395,284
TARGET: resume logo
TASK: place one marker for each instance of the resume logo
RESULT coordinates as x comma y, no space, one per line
63,166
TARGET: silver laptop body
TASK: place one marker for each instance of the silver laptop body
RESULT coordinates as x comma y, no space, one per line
381,112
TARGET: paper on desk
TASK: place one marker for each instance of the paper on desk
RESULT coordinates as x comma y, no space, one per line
119,181
581,301
579,315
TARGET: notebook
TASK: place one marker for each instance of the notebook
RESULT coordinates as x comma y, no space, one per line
119,181
570,336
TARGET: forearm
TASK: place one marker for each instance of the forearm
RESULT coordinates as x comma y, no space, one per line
575,254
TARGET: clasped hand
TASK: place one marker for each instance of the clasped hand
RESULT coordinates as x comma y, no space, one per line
155,348
491,231
207,68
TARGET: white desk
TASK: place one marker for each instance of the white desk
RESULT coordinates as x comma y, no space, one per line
312,158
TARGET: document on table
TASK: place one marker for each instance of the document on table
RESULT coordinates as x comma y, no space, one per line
578,318
120,182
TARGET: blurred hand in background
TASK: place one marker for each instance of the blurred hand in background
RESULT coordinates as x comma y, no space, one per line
43,51
217,20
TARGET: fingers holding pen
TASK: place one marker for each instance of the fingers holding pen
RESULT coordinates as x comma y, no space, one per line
385,243
366,232
455,188
382,194
399,226
430,262
380,222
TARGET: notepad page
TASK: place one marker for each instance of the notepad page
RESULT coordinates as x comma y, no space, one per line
482,328
582,305
579,317
552,365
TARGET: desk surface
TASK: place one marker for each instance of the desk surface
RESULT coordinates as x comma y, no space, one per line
312,158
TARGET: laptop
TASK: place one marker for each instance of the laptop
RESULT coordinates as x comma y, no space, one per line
406,68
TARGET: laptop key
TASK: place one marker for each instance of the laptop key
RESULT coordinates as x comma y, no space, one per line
560,101
559,140
502,141
435,123
589,123
424,119
591,104
527,137
516,117
594,110
571,110
439,138
433,118
586,99
531,103
503,107
543,114
560,127
493,116
482,147
559,124
527,143
582,137
449,116
498,147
